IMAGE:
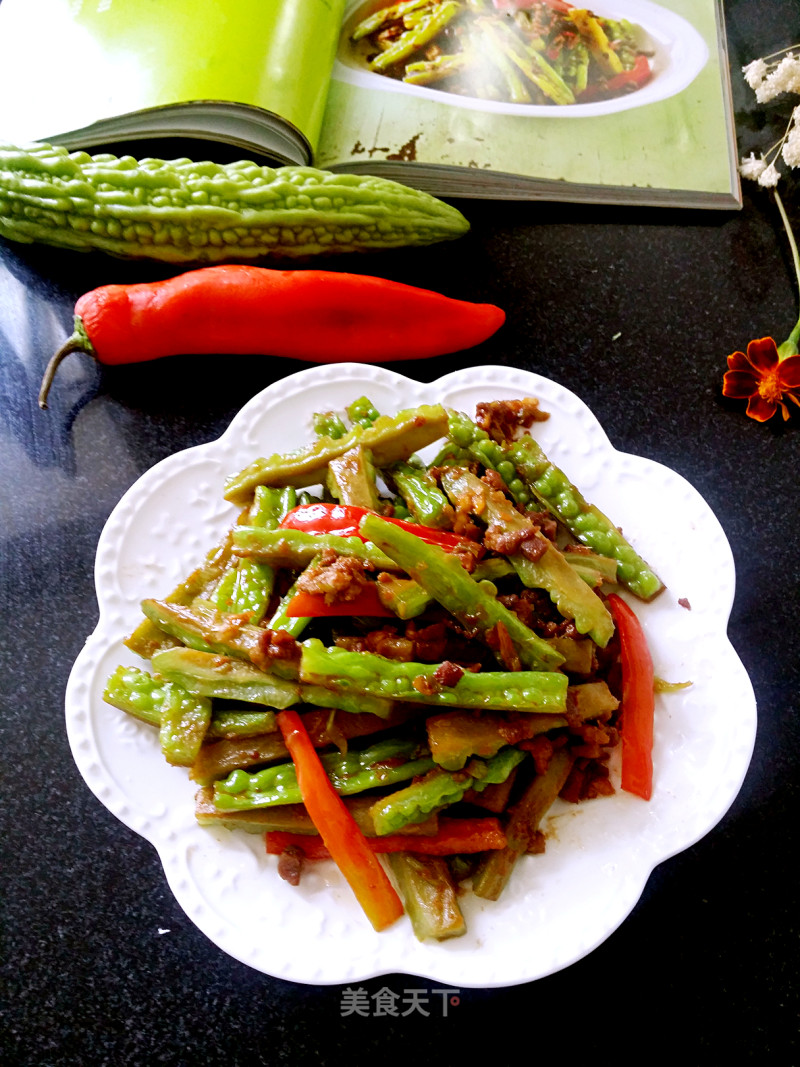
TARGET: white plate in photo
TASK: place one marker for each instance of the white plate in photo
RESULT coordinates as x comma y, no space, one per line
676,50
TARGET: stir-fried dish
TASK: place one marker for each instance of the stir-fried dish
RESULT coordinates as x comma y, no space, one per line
516,51
390,655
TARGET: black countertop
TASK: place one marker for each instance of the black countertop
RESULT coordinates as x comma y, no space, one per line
635,311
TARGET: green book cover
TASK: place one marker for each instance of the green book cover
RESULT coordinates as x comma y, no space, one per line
241,71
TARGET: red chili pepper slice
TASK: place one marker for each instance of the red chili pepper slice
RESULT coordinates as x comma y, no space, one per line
454,837
314,606
638,700
339,831
343,520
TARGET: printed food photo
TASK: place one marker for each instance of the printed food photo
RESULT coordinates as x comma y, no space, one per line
530,58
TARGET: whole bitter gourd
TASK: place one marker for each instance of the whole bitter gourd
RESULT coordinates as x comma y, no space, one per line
180,211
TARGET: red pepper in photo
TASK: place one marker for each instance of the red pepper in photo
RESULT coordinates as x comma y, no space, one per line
631,79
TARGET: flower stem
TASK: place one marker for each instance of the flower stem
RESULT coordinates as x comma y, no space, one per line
789,346
781,52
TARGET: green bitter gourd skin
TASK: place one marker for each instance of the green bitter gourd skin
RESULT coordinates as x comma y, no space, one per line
342,671
183,718
180,211
389,439
387,762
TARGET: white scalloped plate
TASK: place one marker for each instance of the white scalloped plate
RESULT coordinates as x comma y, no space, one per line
559,906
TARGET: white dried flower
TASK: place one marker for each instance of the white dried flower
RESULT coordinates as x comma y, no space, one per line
752,167
791,145
769,177
785,78
755,72
791,148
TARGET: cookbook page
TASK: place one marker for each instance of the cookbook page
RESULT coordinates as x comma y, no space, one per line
508,94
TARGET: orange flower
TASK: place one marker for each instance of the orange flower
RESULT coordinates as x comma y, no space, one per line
769,374
763,379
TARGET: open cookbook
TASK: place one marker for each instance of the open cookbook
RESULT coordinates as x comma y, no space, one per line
625,103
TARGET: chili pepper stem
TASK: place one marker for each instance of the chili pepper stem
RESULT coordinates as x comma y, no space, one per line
78,342
790,345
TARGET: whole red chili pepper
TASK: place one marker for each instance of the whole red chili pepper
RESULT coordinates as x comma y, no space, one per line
313,315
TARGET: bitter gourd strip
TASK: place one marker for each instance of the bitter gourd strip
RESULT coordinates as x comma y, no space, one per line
443,576
343,671
390,439
532,479
207,674
417,801
384,763
571,595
